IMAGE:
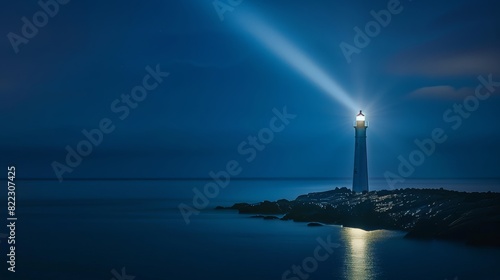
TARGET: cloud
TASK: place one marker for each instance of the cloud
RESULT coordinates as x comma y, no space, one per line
450,64
441,92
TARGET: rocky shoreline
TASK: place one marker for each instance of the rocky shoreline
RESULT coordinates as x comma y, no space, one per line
473,218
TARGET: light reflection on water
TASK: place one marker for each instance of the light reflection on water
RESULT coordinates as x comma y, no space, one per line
360,262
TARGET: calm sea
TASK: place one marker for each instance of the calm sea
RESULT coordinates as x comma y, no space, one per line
123,229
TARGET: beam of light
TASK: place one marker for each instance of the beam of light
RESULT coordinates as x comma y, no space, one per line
295,58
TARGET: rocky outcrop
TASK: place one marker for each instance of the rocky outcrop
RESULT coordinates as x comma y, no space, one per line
473,218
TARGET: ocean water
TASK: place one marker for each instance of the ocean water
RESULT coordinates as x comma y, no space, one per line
123,229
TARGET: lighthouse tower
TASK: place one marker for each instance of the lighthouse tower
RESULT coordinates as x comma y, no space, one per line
360,177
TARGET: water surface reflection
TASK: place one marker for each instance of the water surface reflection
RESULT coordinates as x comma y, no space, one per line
360,262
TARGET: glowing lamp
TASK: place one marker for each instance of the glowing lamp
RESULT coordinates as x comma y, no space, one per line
360,117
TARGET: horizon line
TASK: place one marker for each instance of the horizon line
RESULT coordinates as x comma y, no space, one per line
236,178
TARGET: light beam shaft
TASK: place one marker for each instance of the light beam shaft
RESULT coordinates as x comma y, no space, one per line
295,58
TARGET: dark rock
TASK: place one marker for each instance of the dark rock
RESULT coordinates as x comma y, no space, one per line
473,218
315,225
265,217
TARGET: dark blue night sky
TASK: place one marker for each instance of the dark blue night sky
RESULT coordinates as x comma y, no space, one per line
225,79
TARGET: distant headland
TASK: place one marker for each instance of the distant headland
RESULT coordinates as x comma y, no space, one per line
473,218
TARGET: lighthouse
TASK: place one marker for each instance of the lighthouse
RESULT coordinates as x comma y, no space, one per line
360,176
